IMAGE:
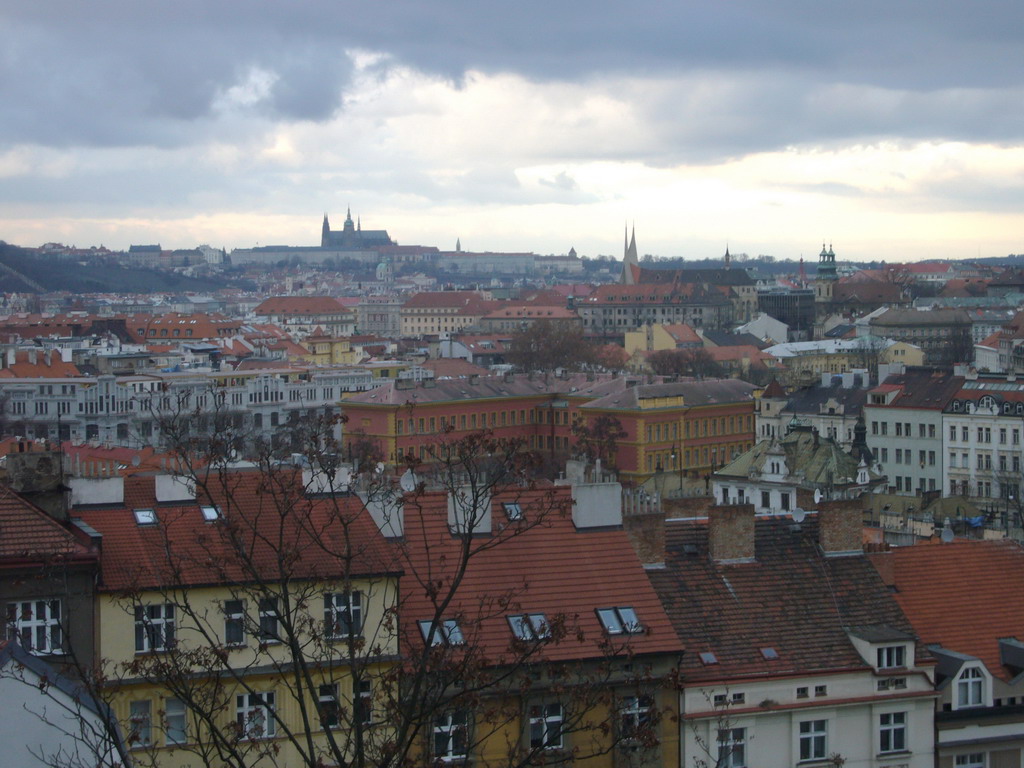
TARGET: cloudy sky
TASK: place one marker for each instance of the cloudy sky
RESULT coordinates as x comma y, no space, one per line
892,129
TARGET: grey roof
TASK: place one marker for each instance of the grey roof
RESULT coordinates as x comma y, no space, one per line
810,399
727,339
880,633
694,393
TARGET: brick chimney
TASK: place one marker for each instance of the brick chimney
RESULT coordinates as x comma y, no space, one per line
731,533
839,528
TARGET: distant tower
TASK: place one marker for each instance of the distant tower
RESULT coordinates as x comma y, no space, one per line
824,280
629,260
728,259
458,245
572,253
325,232
349,224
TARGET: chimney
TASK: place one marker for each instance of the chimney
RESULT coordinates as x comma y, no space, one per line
38,477
731,533
839,528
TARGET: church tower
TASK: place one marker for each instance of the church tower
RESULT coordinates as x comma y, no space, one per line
325,232
629,260
824,282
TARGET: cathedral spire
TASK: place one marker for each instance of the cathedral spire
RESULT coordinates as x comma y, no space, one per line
629,261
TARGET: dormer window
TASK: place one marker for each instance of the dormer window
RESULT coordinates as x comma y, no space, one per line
210,512
970,688
620,621
892,657
512,510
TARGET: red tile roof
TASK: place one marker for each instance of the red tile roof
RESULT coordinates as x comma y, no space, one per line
26,532
546,566
964,595
267,515
301,305
39,364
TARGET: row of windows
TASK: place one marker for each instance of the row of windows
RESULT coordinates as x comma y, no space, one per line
902,429
813,740
532,627
156,624
697,457
255,714
984,434
985,462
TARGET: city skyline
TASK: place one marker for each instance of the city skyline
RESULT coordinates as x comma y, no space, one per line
894,133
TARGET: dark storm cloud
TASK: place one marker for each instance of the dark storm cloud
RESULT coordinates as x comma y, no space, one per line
145,73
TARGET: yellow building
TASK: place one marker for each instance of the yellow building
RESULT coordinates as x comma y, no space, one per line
655,338
247,623
327,350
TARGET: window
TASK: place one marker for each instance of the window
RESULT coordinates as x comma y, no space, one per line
450,738
512,510
210,512
140,721
362,702
145,516
821,690
813,739
892,734
530,626
175,723
254,714
970,688
546,726
635,716
620,621
766,499
36,624
268,620
732,747
343,613
446,632
327,705
971,760
234,622
891,656
154,627
803,692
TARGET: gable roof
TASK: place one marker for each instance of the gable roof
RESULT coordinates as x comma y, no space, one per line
301,305
790,599
28,533
546,566
257,509
964,595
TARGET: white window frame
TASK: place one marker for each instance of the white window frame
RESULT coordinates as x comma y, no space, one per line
892,732
328,706
892,656
530,627
154,627
545,721
234,622
175,722
451,736
343,615
37,625
970,688
634,715
270,619
447,632
732,747
813,739
362,702
254,714
140,720
620,620
970,760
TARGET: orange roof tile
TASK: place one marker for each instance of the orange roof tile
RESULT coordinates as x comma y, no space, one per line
964,595
301,305
26,532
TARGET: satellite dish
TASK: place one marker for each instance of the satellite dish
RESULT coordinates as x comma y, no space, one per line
799,515
407,481
136,460
947,535
379,468
817,495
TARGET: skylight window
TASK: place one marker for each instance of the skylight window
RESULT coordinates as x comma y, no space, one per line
210,512
512,510
145,516
530,626
620,621
770,654
707,658
447,632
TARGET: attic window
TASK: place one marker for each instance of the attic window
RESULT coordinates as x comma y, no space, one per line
770,654
145,516
210,512
530,626
620,621
512,510
707,658
447,632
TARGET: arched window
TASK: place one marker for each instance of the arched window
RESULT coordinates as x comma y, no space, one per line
970,688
